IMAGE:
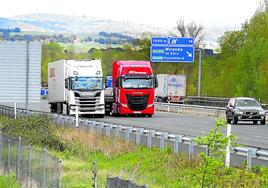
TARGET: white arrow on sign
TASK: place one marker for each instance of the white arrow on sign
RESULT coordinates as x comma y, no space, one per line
189,54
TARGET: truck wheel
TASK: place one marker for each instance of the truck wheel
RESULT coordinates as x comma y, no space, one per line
149,115
59,108
263,121
255,122
53,107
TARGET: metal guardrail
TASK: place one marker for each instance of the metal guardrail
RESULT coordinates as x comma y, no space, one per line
148,137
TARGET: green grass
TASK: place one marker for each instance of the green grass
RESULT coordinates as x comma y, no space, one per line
114,157
9,181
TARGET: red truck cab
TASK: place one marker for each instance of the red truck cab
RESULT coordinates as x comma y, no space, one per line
133,87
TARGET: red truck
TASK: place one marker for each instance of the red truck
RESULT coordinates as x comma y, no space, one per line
133,88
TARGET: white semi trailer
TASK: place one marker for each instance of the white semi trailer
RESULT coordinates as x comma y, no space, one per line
170,88
76,84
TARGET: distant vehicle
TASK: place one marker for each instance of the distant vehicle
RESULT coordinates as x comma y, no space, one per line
172,88
133,88
245,109
74,83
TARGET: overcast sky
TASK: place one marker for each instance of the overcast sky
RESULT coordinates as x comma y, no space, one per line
153,12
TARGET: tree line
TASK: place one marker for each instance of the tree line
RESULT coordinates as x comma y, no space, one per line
240,69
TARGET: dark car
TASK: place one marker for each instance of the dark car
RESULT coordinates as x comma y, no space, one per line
245,109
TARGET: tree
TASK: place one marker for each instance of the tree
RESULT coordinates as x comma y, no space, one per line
191,30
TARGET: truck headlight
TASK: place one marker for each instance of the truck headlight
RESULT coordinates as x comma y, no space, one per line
124,105
262,112
150,105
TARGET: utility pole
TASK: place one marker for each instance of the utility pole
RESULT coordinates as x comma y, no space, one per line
199,71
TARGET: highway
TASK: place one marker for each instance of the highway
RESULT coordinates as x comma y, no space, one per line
189,125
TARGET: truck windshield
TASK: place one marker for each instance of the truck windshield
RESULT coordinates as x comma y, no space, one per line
137,83
86,83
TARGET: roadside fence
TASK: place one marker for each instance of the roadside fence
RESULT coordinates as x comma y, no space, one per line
33,167
150,138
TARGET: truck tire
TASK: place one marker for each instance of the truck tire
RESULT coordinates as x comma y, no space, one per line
59,108
53,107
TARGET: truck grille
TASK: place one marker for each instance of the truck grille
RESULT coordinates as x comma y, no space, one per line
89,103
137,102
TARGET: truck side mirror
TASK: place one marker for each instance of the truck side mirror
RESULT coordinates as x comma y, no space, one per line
66,83
155,82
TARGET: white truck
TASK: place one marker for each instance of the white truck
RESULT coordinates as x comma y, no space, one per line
171,88
74,83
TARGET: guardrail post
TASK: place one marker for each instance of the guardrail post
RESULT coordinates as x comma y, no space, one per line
162,140
76,116
118,129
191,149
101,126
250,154
177,140
19,159
127,133
138,136
150,136
108,130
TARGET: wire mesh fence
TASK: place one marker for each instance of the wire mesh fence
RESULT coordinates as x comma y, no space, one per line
33,167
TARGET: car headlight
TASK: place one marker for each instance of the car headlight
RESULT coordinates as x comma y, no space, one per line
239,112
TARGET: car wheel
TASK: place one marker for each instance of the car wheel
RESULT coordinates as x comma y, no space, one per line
263,121
235,119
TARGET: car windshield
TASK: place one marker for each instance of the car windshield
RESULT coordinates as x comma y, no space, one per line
137,83
86,83
246,103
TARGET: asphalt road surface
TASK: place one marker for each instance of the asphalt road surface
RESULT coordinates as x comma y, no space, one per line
247,133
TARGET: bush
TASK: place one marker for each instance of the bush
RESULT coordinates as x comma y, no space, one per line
35,130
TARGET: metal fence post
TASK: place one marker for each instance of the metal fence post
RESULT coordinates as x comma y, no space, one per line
44,168
19,159
29,166
95,175
178,139
60,171
191,149
162,140
8,156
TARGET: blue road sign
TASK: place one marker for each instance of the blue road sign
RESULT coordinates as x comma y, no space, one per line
172,49
181,41
159,41
172,54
